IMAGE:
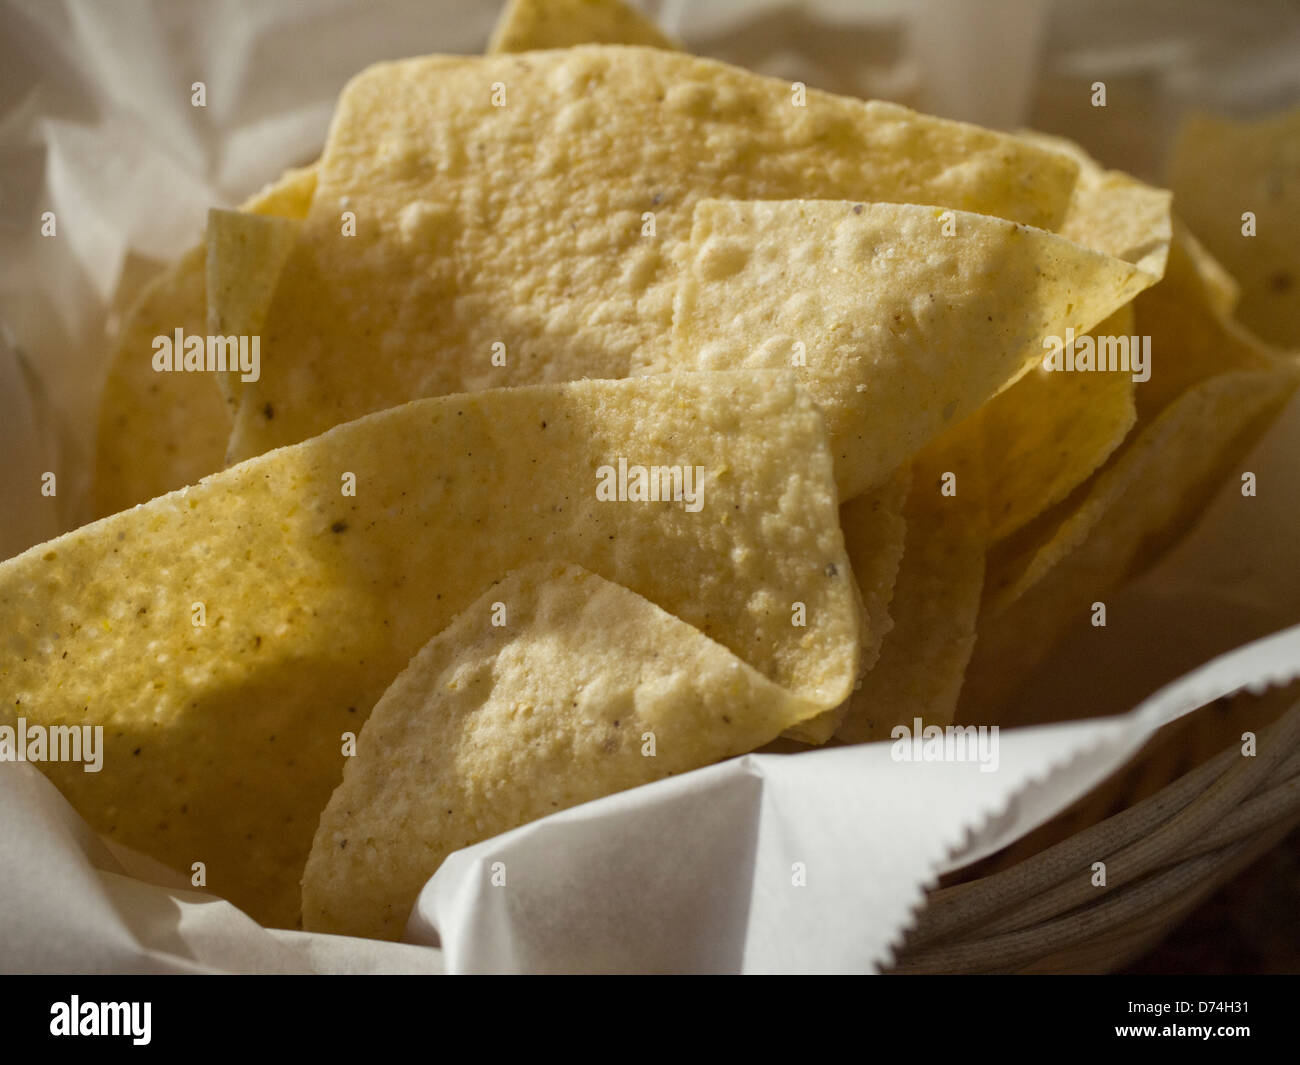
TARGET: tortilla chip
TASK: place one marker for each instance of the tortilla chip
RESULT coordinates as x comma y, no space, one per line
246,254
222,741
491,727
904,315
874,530
874,534
1113,212
532,25
289,196
936,598
1221,169
1221,290
159,431
1136,508
1190,339
1049,432
506,245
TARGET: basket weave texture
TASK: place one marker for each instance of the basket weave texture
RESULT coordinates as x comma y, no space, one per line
1162,857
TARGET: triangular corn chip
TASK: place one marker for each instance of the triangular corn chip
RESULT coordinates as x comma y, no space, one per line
890,313
246,254
584,689
1048,576
226,636
1049,432
1222,171
532,25
159,431
1113,212
874,530
935,601
531,232
1191,338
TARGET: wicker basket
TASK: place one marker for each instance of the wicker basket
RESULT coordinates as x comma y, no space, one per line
1163,855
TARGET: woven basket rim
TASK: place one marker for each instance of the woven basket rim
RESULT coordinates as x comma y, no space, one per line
1161,855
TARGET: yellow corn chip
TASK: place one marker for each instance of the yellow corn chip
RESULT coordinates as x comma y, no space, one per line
532,25
227,635
890,313
1237,184
1191,339
159,431
1221,290
1129,513
246,254
874,534
1047,433
1112,212
530,233
936,597
585,690
874,529
289,196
